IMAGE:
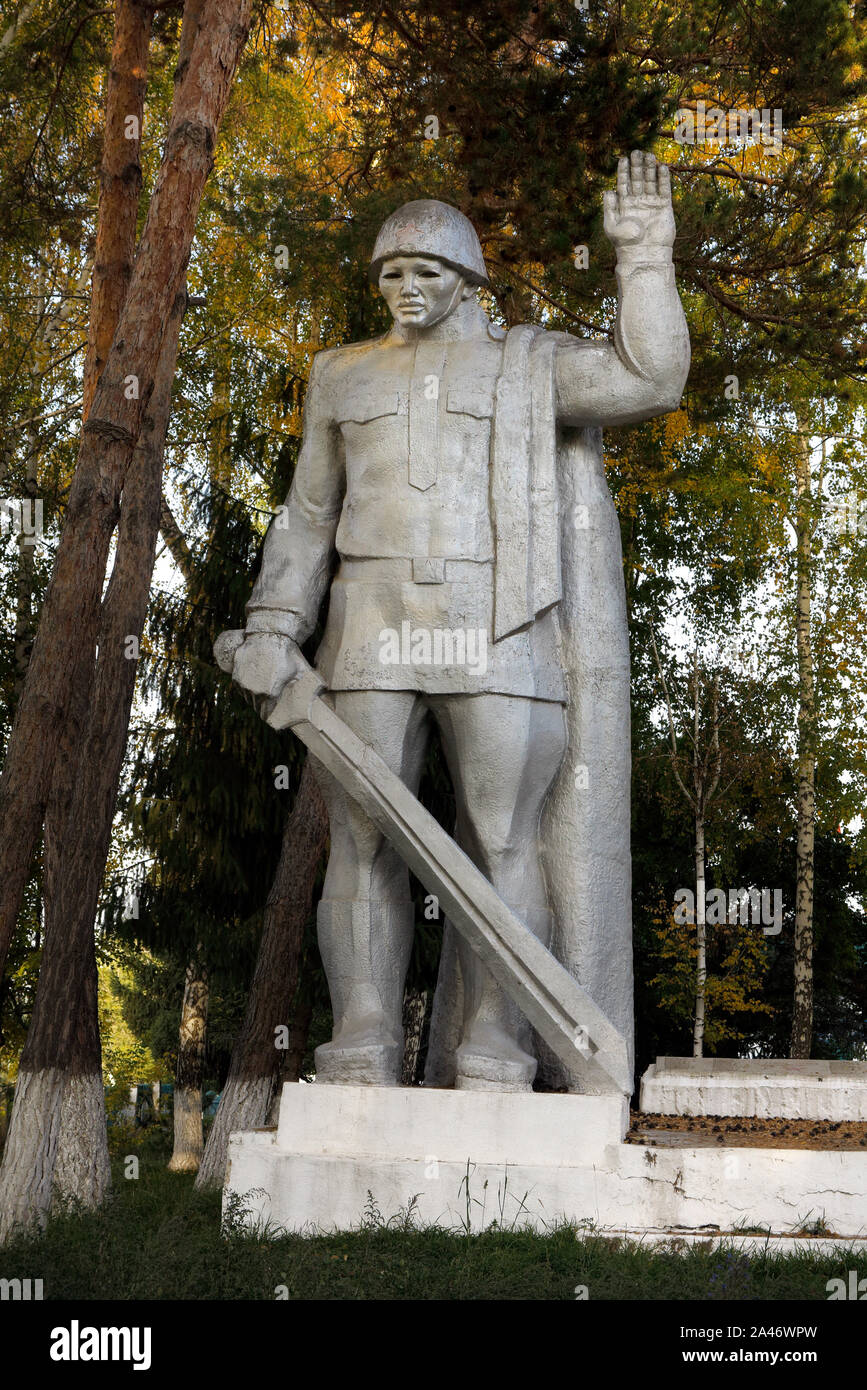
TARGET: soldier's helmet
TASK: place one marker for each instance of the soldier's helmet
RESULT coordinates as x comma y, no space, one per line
427,227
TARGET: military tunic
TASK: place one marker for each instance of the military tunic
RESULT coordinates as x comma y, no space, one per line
394,474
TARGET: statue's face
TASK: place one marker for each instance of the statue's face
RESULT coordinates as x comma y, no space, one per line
420,290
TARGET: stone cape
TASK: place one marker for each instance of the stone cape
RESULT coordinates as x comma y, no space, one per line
586,821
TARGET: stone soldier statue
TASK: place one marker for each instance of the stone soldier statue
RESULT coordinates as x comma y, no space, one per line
452,470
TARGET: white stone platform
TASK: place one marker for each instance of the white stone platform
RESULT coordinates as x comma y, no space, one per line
775,1088
473,1158
751,1244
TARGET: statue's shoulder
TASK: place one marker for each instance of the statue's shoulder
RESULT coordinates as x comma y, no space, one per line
569,340
344,352
537,334
331,365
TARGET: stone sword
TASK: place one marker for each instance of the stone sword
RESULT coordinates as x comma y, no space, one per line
559,1009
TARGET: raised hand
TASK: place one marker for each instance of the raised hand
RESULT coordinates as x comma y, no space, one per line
639,216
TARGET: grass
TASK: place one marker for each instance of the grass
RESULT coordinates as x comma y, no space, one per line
160,1239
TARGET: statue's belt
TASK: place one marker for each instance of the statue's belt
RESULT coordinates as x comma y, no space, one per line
422,570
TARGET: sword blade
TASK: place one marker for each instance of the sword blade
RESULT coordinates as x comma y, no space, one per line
561,1011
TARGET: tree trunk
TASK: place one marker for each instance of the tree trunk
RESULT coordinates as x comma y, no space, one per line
75,1105
189,1141
255,1068
25,581
802,1012
22,17
63,1143
414,1010
58,1131
49,324
59,1101
26,545
293,1057
299,1032
175,540
58,1128
700,939
120,181
69,625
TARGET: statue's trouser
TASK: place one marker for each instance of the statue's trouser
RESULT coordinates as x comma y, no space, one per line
503,753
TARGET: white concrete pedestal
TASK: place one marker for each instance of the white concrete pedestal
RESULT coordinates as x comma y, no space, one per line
775,1087
471,1158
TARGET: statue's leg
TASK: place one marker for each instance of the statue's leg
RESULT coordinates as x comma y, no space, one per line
365,917
503,753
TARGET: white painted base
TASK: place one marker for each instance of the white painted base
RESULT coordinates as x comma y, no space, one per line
773,1088
681,1241
471,1158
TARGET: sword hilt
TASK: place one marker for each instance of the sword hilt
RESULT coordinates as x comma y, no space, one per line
294,702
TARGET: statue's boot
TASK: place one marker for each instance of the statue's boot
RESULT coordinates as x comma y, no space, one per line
495,1053
365,949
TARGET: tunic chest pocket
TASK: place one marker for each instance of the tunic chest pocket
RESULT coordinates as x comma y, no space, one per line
471,400
358,410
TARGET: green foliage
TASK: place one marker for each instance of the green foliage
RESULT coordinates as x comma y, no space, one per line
126,1060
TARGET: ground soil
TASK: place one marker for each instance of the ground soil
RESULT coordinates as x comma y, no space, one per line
705,1131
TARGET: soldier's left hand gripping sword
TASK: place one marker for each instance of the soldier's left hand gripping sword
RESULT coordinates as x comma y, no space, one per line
562,1012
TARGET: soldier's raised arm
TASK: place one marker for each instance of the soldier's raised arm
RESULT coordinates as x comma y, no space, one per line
643,372
298,548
